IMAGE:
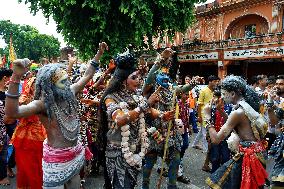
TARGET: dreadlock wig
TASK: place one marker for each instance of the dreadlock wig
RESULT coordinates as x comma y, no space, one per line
239,86
54,98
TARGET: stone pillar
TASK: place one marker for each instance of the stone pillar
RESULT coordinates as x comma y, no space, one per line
275,24
222,72
222,69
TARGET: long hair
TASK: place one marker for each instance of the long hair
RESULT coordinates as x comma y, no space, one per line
47,90
240,87
125,65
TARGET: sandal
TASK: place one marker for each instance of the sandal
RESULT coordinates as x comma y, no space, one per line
10,173
4,182
206,169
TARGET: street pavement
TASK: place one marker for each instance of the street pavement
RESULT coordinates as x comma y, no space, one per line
193,161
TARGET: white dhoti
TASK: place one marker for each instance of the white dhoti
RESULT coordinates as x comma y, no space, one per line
61,164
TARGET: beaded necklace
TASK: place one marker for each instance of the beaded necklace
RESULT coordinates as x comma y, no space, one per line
68,121
128,150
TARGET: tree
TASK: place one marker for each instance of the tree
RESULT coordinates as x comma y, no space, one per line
84,23
28,42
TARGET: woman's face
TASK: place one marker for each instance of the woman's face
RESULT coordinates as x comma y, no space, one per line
133,81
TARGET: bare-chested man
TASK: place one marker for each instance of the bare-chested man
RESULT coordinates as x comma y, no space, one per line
56,106
246,168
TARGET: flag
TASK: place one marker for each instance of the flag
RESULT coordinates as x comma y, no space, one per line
12,54
1,63
4,60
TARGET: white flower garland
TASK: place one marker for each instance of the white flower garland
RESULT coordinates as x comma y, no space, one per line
127,150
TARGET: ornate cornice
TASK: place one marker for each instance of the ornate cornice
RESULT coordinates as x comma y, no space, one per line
228,6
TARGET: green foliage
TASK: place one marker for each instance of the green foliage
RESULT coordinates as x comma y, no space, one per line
84,23
28,42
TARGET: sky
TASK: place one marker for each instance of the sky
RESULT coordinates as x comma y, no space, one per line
20,14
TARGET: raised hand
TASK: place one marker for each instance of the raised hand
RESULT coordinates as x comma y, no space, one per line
195,80
167,53
102,47
111,66
170,115
21,67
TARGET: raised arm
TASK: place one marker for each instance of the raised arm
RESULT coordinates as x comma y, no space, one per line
121,118
101,80
226,129
12,108
150,80
273,119
79,85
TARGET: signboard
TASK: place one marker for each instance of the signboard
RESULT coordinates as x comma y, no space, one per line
254,53
197,57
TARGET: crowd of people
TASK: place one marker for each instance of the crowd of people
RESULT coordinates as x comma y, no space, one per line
60,123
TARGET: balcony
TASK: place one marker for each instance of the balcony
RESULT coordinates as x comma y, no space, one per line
230,2
220,6
255,41
207,7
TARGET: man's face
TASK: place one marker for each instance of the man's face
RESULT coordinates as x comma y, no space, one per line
214,83
279,85
263,82
227,96
270,86
187,80
61,79
184,96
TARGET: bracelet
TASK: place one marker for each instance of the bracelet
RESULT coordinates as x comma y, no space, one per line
95,64
143,105
269,104
161,114
210,126
137,110
12,95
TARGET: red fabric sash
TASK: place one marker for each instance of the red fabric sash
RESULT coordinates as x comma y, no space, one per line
253,172
60,155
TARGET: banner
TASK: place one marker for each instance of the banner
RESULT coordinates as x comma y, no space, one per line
267,52
4,61
198,57
12,54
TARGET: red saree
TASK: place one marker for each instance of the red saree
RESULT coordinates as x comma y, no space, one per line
28,143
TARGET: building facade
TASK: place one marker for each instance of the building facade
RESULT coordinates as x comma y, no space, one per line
241,37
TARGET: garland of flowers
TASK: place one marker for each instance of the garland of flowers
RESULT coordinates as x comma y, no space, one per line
131,158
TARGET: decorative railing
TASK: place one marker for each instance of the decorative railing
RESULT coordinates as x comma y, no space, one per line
230,2
207,7
215,5
258,40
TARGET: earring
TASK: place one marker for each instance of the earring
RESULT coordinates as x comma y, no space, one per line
123,86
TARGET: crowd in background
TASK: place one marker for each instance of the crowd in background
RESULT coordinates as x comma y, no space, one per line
16,141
